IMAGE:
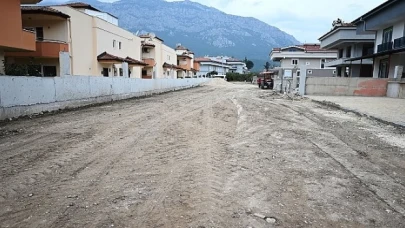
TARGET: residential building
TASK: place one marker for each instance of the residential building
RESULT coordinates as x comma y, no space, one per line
344,38
161,59
221,65
387,22
236,65
210,64
185,60
307,56
90,44
13,37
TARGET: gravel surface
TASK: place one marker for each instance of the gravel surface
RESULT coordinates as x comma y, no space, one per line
221,155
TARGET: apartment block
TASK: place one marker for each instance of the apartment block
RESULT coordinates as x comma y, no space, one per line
13,37
92,45
293,59
185,60
344,38
161,59
221,65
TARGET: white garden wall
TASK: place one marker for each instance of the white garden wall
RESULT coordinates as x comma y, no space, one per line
20,96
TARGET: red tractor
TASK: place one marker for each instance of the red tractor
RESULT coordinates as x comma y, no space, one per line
265,80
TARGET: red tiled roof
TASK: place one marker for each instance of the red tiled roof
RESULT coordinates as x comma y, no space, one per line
167,65
184,56
307,48
149,36
201,59
42,10
132,61
181,48
109,57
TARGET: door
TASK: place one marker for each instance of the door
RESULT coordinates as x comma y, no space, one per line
384,68
387,35
49,71
105,72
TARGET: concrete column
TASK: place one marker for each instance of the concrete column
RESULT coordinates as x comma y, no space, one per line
125,69
1,62
303,81
64,64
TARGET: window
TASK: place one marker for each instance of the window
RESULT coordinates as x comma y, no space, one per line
307,63
298,73
384,69
323,63
119,45
114,43
121,72
349,52
294,62
105,72
40,33
309,72
145,50
340,53
387,35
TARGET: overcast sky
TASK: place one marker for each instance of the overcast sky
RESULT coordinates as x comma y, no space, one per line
306,20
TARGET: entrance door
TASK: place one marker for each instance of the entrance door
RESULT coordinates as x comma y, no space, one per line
105,72
49,71
384,68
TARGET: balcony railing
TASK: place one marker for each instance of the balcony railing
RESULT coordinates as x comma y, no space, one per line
384,47
44,48
399,43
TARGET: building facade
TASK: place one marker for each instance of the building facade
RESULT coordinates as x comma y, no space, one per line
344,39
13,37
185,60
220,64
294,59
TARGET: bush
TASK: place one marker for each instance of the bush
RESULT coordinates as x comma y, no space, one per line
239,77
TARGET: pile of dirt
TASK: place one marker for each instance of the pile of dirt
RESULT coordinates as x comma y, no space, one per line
218,82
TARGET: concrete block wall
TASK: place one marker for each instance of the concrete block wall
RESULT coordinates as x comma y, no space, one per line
20,96
396,89
337,86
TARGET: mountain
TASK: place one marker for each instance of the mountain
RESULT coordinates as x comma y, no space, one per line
204,30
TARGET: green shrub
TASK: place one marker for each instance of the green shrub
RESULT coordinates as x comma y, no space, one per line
239,77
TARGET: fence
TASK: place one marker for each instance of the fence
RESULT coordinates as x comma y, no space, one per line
21,96
337,86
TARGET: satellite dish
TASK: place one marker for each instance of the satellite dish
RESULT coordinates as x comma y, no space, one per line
178,45
152,35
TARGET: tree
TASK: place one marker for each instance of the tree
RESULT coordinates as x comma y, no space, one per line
267,66
249,64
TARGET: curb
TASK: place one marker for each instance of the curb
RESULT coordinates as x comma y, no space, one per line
339,107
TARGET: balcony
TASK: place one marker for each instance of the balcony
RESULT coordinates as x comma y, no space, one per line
384,47
44,49
150,62
399,43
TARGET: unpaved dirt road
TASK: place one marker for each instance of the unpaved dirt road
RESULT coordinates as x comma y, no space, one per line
221,155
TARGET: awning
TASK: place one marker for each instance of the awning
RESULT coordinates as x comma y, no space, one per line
109,58
383,53
135,62
171,66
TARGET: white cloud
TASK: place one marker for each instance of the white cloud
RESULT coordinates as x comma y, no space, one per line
307,20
